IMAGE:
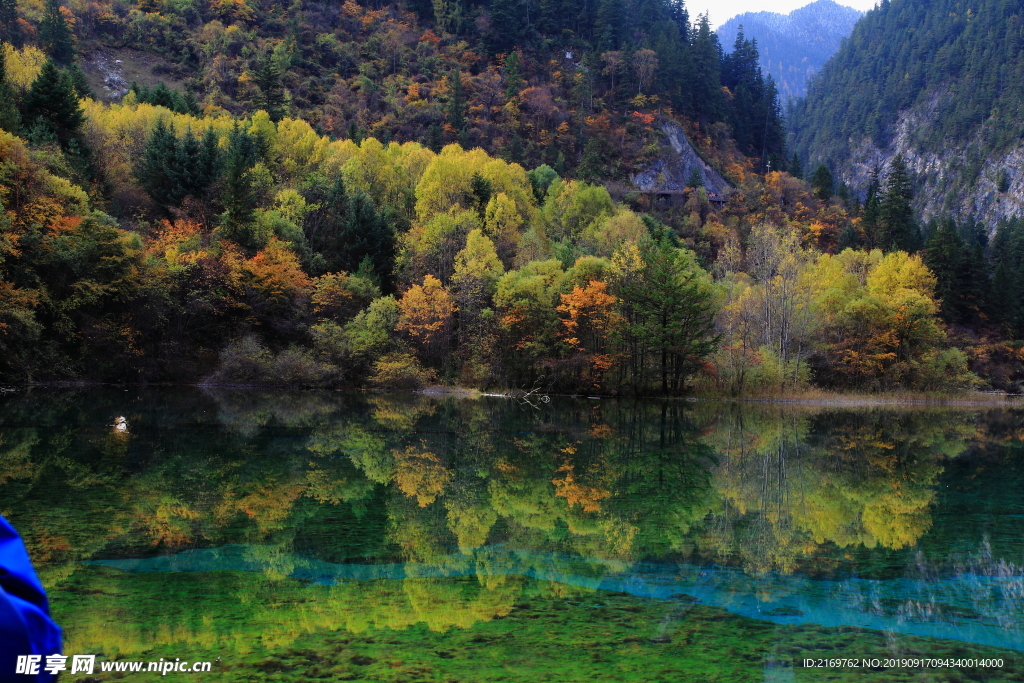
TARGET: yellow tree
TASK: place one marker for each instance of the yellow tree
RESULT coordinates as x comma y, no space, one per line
588,320
425,317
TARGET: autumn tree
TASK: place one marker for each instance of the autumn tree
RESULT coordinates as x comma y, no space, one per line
426,317
477,269
588,320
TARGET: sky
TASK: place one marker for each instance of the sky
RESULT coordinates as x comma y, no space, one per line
721,11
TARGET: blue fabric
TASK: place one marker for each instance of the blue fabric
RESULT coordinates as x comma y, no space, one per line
25,624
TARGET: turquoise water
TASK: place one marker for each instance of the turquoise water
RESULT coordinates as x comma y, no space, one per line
357,536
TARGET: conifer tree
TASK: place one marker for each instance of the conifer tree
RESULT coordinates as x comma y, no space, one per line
507,25
456,109
345,229
10,30
154,172
796,169
513,69
10,120
872,216
897,216
172,169
55,35
79,81
237,191
706,102
268,77
822,183
53,102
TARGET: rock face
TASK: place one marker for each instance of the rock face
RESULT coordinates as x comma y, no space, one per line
957,181
678,160
794,46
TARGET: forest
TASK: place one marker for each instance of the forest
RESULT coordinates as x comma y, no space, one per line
397,196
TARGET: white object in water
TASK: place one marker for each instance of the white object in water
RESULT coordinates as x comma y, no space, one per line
121,424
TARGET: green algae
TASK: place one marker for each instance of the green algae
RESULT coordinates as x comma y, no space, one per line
259,629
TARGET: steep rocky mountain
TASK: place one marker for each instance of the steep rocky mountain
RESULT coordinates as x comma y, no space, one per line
793,46
938,82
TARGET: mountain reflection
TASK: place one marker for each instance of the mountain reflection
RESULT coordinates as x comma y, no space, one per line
481,503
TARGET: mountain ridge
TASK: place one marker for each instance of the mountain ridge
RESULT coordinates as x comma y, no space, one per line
933,83
816,30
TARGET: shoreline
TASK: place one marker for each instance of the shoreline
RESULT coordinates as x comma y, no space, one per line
808,398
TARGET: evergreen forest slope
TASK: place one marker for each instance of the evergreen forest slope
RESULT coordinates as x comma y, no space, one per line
938,82
794,46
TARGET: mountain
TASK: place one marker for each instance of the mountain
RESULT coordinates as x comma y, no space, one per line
938,82
793,46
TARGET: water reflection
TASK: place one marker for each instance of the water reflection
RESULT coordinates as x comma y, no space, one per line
326,510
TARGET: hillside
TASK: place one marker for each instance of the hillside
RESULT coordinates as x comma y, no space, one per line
938,82
793,46
392,196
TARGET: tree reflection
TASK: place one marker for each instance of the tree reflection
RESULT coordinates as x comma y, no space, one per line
376,479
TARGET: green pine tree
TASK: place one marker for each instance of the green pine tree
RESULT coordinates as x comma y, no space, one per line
822,183
10,29
155,168
899,230
10,120
52,102
80,81
796,169
696,179
267,77
455,112
345,229
872,215
237,193
55,35
513,71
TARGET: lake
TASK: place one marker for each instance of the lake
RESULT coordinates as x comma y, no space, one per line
371,537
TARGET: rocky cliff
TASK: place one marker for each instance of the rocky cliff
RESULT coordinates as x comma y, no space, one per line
960,180
677,162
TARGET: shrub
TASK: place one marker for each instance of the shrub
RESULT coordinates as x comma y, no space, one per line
247,361
398,372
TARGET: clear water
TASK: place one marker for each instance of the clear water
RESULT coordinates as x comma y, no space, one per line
331,536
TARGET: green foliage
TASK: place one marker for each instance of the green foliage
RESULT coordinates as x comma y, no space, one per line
1007,294
10,118
695,180
55,35
162,96
669,316
540,180
267,76
822,183
960,271
52,102
898,228
173,169
344,228
952,57
238,192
